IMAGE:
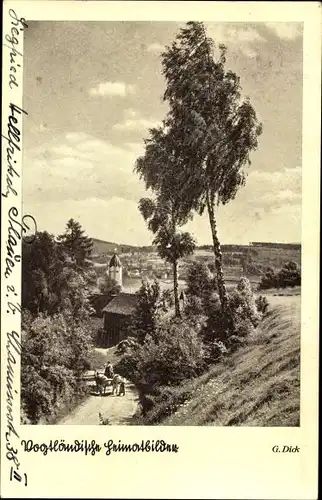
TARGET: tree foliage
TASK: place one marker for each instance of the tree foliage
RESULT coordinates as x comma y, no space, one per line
288,276
147,313
43,263
160,170
173,354
209,116
200,282
50,282
243,306
55,352
76,244
56,338
213,130
109,286
170,244
269,279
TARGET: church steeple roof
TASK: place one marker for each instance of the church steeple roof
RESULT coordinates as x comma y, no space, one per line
115,261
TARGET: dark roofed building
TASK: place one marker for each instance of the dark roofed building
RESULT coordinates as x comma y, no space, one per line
98,302
117,315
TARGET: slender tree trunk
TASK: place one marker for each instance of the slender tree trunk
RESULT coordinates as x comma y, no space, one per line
218,258
175,272
176,290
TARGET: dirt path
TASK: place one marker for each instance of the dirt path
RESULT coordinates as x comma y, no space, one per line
118,409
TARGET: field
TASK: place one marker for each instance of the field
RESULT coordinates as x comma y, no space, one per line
258,385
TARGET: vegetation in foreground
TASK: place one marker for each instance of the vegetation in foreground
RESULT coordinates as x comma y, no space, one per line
258,385
169,350
56,331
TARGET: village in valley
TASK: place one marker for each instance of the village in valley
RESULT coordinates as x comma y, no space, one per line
129,269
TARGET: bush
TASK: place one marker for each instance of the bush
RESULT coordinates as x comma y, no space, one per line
24,420
236,341
253,269
194,306
216,350
262,304
201,282
174,354
125,345
243,308
55,352
221,330
149,306
103,420
269,280
216,321
288,276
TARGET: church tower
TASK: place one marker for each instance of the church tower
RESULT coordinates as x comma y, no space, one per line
115,270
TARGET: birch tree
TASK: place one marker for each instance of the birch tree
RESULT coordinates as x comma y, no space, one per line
213,129
160,169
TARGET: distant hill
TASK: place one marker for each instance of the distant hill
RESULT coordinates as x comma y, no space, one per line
258,253
243,248
107,247
102,246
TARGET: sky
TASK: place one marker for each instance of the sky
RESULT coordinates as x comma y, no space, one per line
93,89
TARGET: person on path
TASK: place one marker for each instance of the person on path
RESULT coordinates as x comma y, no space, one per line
109,371
122,388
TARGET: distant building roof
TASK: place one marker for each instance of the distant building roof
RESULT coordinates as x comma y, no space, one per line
124,303
115,261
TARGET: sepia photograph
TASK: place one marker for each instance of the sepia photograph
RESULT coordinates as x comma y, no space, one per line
162,163
160,227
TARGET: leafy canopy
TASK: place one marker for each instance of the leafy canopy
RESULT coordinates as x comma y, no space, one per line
213,128
171,245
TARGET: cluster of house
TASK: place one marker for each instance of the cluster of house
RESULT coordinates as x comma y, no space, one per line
151,266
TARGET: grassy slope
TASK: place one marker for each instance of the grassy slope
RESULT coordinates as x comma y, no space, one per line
259,385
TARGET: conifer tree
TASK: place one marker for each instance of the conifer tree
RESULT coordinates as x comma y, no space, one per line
76,244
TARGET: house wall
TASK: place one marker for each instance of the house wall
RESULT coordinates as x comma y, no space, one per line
115,328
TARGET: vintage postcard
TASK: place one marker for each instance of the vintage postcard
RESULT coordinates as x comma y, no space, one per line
160,249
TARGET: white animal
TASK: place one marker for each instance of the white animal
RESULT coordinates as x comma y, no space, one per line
101,382
115,383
